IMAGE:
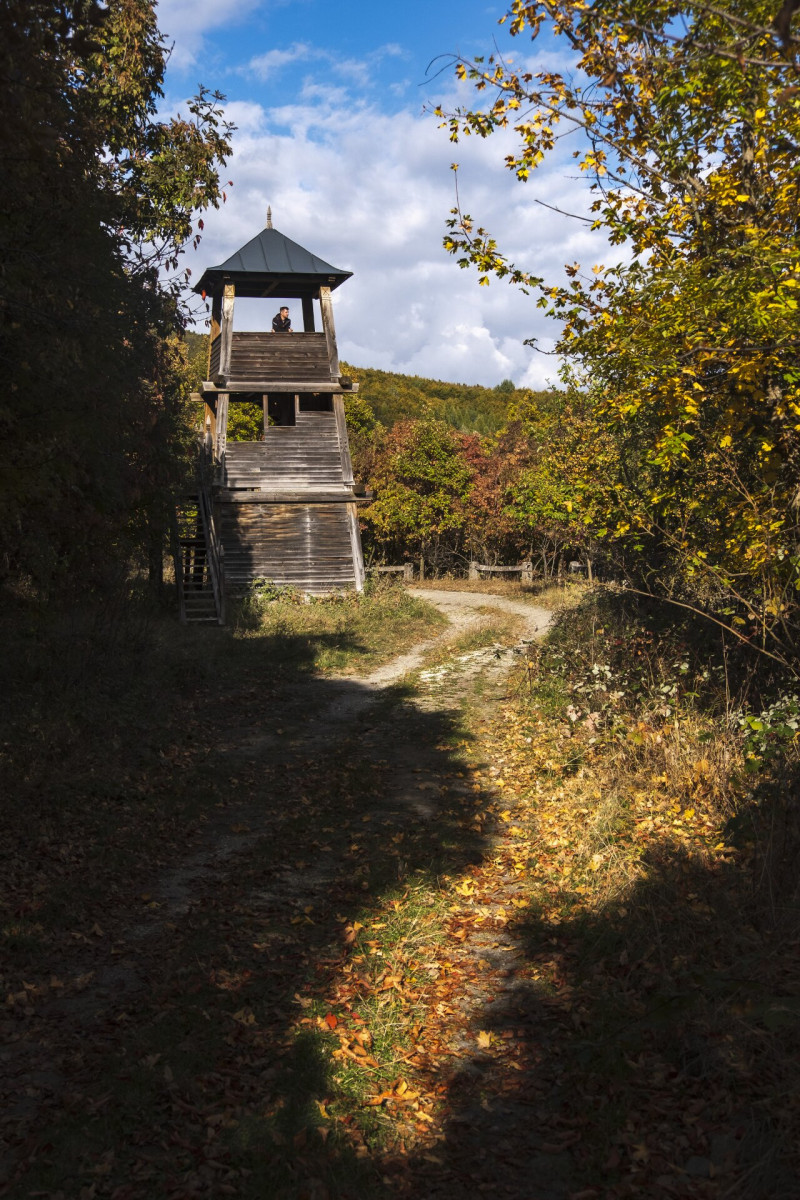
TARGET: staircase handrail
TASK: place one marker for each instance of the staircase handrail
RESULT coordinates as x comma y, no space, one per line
215,550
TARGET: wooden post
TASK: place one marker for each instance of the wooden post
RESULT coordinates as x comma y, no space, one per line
308,314
226,331
222,427
473,571
330,331
526,575
344,445
265,402
589,576
210,425
355,547
421,567
209,434
408,572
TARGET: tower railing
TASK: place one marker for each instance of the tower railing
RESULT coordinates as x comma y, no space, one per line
215,549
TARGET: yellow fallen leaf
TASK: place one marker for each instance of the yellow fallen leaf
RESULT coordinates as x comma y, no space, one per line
244,1016
484,1040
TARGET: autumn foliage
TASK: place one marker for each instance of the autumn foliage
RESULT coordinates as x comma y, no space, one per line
100,195
686,124
451,496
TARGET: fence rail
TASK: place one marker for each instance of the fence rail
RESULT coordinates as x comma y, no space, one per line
524,570
476,570
407,570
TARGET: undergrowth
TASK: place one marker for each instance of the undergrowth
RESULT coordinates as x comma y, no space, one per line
343,631
662,822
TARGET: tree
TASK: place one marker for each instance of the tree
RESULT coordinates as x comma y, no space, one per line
100,195
550,451
687,350
422,484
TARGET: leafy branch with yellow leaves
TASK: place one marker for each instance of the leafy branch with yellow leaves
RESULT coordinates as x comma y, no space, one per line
687,350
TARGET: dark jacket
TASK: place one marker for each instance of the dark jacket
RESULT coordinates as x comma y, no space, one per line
281,324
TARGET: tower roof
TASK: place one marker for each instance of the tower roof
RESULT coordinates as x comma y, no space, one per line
272,264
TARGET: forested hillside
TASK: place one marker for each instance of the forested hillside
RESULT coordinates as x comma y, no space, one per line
469,408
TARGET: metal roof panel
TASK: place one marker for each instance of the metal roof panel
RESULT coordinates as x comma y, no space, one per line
272,254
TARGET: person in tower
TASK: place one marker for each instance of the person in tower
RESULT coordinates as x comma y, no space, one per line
281,322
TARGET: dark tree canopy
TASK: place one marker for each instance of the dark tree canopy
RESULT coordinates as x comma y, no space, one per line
100,195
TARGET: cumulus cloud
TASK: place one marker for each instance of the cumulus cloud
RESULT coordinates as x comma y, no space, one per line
362,73
370,191
187,22
273,61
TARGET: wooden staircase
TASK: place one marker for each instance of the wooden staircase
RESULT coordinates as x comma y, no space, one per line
306,456
198,561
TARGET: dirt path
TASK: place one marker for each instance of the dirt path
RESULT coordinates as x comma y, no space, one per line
171,1029
463,610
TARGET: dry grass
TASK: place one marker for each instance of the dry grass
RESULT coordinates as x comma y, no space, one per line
552,595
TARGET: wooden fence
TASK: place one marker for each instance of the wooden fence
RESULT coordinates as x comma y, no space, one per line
407,570
478,570
524,570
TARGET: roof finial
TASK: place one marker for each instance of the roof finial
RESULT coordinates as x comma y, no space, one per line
269,217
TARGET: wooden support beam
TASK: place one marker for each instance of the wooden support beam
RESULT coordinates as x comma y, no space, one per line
344,444
308,314
210,424
304,495
221,441
298,386
355,547
326,308
226,330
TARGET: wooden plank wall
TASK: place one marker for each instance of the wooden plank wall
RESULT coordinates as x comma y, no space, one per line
306,546
280,356
291,456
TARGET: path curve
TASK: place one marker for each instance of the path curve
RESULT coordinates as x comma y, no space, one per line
462,610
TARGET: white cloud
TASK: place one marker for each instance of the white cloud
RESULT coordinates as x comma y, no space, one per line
370,192
359,73
186,23
266,65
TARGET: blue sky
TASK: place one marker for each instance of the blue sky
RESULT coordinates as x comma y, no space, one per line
329,100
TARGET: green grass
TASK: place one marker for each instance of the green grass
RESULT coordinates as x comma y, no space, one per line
342,633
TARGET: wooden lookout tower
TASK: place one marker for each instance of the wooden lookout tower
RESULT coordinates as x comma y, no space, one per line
282,508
